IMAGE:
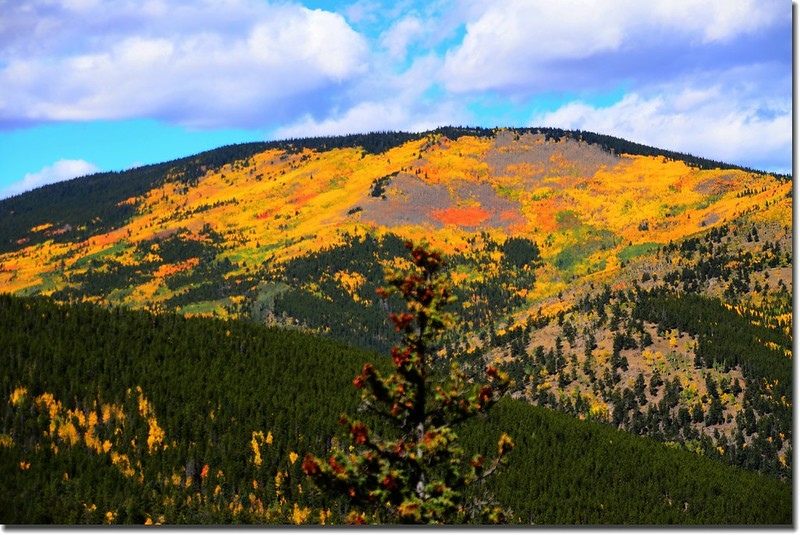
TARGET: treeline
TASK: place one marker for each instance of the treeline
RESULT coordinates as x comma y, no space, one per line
621,146
202,421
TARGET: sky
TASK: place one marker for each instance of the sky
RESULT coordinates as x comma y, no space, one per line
108,85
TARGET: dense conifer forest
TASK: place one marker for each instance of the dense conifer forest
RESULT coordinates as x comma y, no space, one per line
148,418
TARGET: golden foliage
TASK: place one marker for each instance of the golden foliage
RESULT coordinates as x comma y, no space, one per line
351,282
18,395
299,516
290,204
258,438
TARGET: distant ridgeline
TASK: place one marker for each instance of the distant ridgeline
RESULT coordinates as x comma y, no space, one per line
96,203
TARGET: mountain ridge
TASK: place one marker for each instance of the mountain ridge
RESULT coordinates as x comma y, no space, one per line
149,175
558,249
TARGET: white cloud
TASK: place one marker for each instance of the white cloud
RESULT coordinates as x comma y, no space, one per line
377,116
281,68
387,102
397,38
363,117
718,20
363,11
723,121
524,43
201,64
59,171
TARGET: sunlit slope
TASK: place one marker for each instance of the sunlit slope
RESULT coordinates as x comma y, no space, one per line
586,208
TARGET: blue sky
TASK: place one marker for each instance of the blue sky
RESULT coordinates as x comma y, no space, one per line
97,85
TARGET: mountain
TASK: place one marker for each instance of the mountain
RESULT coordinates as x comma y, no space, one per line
641,289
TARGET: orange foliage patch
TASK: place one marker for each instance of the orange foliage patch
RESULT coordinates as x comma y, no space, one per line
303,199
129,202
42,227
286,205
509,215
462,217
545,217
171,269
103,240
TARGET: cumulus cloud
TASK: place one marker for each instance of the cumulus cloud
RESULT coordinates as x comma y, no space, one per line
397,39
522,45
406,65
387,102
57,172
375,116
239,63
730,121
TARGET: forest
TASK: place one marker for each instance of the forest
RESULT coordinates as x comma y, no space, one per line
699,402
120,416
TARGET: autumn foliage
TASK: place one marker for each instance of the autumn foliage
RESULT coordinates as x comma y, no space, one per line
419,474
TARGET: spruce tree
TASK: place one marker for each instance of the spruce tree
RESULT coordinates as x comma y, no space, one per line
420,473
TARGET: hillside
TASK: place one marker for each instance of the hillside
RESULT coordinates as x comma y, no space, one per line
641,289
165,419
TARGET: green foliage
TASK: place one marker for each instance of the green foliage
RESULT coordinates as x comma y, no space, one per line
249,377
105,276
330,307
520,252
586,240
632,251
565,471
314,297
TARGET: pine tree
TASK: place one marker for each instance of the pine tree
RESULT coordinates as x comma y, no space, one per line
420,474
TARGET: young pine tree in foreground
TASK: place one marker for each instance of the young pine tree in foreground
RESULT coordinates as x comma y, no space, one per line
420,474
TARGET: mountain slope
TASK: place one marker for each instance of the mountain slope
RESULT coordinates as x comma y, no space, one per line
573,255
582,204
175,420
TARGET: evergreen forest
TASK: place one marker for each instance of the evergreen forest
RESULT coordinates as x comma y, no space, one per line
165,419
